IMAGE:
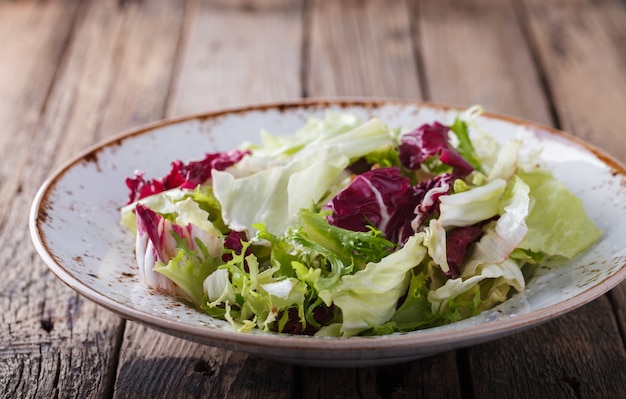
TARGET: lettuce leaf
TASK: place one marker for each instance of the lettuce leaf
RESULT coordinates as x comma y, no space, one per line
275,195
504,236
557,224
314,132
473,206
342,132
415,312
369,297
465,147
466,296
305,176
177,258
259,294
320,253
166,204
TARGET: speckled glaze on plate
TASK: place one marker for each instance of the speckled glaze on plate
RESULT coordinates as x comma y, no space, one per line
74,224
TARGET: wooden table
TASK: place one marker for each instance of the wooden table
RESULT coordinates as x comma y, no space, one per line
73,73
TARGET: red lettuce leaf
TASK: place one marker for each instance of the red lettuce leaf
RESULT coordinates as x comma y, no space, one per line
457,243
183,175
429,193
428,141
372,199
384,199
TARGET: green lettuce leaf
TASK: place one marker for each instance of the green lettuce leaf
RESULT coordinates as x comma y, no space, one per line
314,132
189,268
472,206
557,223
461,129
311,165
369,297
259,295
273,196
466,296
166,205
415,312
320,253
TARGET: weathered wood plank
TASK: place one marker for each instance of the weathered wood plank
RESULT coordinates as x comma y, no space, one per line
580,45
360,48
61,345
27,72
579,355
339,384
25,82
237,53
260,61
581,48
156,365
617,297
433,377
146,53
474,52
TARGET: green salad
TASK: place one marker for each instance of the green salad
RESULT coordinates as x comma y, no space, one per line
352,227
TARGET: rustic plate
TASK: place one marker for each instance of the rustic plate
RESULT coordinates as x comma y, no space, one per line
75,227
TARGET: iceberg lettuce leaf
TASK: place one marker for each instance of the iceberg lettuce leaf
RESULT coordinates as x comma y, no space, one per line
463,297
369,297
557,224
415,312
274,196
473,206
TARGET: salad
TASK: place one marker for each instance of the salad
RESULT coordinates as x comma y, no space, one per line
350,227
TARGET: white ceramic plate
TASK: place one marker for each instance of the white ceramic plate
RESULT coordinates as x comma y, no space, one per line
75,227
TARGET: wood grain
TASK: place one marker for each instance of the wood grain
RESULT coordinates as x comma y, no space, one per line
418,379
580,46
201,371
25,82
475,52
75,72
237,53
546,361
146,53
62,345
30,359
360,48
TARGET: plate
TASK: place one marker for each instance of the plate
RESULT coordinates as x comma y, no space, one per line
74,225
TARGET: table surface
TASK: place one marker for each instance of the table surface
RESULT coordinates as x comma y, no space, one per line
73,73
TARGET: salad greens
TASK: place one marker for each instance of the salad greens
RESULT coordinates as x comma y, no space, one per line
348,227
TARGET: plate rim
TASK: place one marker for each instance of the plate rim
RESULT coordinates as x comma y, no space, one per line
419,341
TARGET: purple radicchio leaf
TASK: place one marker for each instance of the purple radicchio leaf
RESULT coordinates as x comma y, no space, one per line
156,242
183,175
372,199
457,244
429,193
384,199
234,241
431,140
